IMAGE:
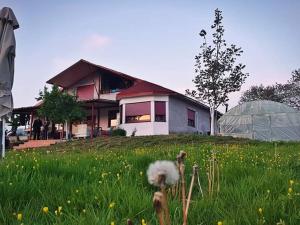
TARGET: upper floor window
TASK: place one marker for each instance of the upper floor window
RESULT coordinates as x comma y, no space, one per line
138,112
191,117
85,92
160,111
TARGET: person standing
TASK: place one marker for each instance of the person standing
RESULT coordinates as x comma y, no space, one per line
46,128
37,124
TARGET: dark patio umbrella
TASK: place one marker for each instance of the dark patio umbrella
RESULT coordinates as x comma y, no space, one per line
8,23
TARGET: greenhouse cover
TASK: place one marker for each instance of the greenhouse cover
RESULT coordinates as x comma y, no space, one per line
262,120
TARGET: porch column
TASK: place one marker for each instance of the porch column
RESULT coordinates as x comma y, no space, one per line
31,122
152,112
93,123
98,121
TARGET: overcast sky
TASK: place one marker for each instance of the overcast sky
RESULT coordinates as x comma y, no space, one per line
152,40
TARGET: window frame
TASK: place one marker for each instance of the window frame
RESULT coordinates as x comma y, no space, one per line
136,120
157,115
190,122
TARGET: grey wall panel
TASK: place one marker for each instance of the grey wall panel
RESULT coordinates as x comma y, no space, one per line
178,121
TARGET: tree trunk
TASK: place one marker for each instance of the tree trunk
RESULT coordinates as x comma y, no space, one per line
212,121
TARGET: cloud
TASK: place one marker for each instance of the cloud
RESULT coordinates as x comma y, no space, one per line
95,41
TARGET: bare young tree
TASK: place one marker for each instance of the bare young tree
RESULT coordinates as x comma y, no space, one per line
217,73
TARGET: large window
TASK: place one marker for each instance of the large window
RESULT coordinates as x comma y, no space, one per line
138,112
191,117
85,92
160,111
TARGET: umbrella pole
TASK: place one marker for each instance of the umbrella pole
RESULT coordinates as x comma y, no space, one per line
2,138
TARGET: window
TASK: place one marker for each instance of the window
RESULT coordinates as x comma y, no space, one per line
138,112
191,117
85,92
160,111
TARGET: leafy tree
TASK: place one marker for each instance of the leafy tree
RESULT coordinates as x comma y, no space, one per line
262,93
217,72
288,93
291,90
59,107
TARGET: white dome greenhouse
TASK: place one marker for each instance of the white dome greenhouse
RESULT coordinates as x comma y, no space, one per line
262,120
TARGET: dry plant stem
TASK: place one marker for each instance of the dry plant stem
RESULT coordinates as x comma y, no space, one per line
213,175
190,195
199,184
158,205
218,177
209,179
195,168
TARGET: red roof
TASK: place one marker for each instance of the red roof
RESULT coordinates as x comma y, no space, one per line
80,70
144,88
83,68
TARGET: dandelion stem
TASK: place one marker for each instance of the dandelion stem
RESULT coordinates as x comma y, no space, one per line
165,205
183,191
158,205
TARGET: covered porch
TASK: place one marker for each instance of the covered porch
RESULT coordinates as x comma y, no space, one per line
102,115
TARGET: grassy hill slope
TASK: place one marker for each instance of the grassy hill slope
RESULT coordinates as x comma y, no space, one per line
104,182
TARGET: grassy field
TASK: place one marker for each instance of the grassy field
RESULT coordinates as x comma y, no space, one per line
105,182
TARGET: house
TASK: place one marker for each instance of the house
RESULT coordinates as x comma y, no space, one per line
114,99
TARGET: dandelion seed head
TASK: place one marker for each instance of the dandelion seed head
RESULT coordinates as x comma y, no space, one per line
162,168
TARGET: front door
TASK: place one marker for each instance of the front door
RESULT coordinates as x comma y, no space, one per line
112,118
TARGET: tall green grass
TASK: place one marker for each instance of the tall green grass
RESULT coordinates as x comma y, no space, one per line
105,181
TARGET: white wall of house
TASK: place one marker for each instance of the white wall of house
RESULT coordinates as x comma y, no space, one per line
146,128
109,96
178,119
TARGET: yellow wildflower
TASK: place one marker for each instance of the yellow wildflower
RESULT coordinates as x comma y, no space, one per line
141,173
19,216
111,205
69,202
220,223
144,222
260,210
84,211
290,190
59,209
112,223
45,210
292,182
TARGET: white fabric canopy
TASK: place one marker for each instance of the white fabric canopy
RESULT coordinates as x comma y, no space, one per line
262,120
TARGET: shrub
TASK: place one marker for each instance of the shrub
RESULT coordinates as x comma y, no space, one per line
118,132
